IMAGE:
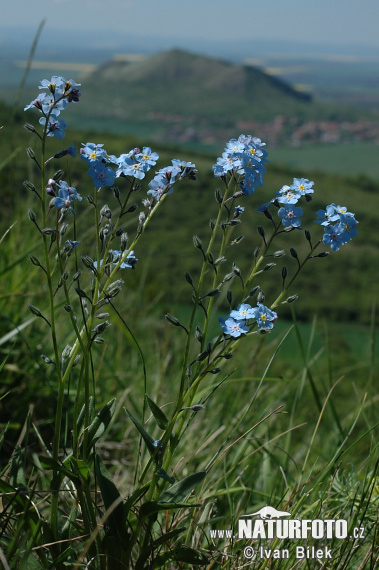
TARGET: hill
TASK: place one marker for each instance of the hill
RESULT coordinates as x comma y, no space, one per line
180,82
181,97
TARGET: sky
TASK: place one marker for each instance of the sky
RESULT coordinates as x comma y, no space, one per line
331,23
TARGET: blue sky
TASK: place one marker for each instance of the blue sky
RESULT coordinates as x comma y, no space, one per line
329,22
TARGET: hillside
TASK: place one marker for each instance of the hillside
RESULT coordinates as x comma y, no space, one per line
179,82
180,97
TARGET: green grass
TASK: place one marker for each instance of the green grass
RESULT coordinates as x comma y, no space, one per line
349,159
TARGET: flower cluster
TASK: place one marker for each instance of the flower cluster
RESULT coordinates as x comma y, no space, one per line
288,196
244,156
50,104
342,231
237,323
134,164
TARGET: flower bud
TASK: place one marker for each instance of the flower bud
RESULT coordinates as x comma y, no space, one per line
292,298
293,252
29,127
188,278
101,327
261,231
279,253
197,242
30,153
31,215
29,186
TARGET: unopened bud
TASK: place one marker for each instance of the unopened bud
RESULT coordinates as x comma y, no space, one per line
30,153
261,231
188,278
31,215
101,327
293,252
197,242
29,186
29,127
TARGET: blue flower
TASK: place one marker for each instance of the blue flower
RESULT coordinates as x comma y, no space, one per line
54,127
288,195
265,317
55,85
238,210
302,185
290,215
233,327
102,175
72,192
328,215
158,187
93,153
349,222
244,311
335,236
63,200
129,167
147,156
36,103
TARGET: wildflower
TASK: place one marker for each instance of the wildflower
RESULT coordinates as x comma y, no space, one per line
233,327
70,189
348,222
54,127
159,186
147,156
288,195
302,185
63,200
265,317
129,167
328,215
238,210
244,311
93,153
102,175
290,215
334,236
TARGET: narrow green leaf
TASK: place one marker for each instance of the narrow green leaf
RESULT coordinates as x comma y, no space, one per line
110,495
158,414
152,507
17,473
162,473
182,488
100,423
146,437
50,463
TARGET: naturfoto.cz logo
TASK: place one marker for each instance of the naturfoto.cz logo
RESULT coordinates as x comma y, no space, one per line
273,524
